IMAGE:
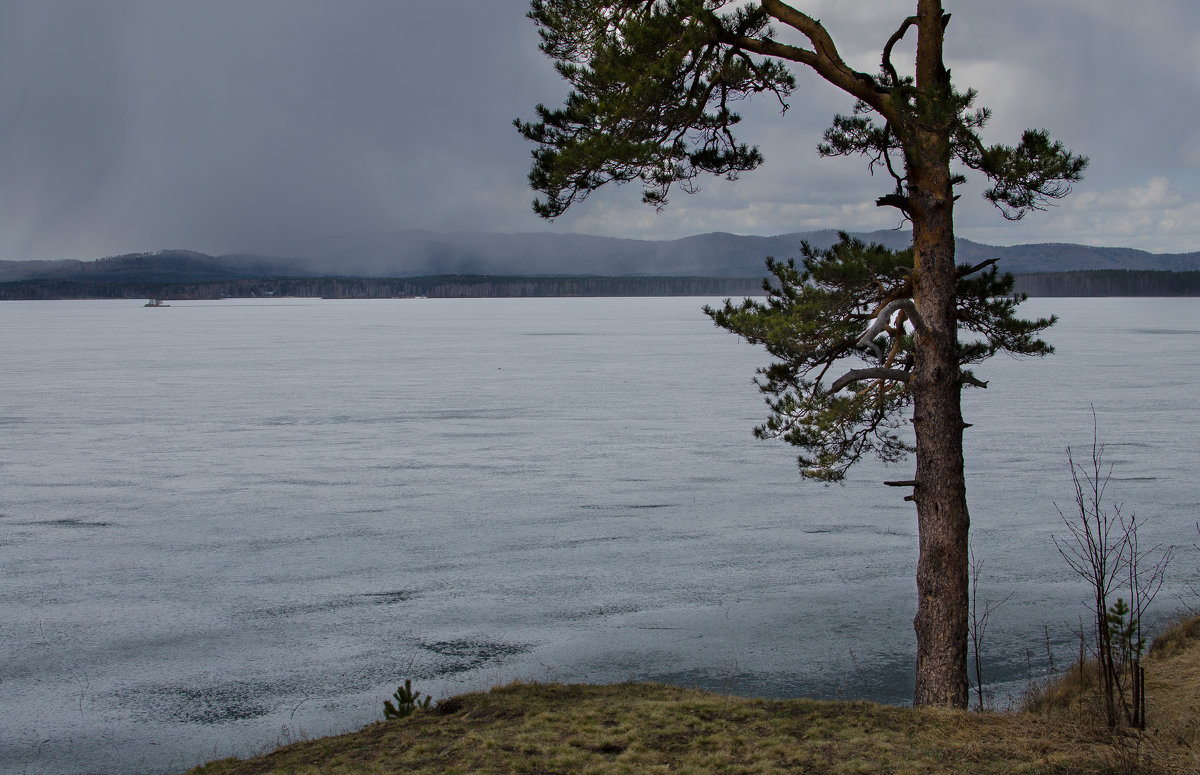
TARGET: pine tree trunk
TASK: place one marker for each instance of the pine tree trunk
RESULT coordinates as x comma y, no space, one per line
943,590
941,498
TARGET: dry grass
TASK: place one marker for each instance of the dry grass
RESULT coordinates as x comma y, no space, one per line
1173,693
1171,742
1179,633
648,728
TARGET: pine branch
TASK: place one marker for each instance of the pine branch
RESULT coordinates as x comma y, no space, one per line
825,58
968,378
963,271
897,36
879,372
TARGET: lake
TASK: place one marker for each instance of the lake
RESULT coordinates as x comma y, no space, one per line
226,525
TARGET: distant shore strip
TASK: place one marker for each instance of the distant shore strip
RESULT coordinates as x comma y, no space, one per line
1104,282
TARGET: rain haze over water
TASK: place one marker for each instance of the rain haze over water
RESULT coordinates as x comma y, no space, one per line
223,525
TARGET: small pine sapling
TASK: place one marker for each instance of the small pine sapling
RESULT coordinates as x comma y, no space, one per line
407,702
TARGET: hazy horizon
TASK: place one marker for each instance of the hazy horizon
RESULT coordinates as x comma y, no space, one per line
535,234
228,127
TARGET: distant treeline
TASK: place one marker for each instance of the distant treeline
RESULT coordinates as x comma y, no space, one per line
439,286
1110,282
1104,282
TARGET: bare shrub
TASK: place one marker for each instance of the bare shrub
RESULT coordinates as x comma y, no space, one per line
1102,547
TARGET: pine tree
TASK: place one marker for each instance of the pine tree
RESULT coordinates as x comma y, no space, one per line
654,84
813,319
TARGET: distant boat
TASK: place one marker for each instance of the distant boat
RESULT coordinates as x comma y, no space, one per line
156,303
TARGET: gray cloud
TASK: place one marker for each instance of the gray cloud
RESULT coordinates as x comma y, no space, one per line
230,125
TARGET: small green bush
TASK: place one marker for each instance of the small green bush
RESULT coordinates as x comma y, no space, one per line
407,702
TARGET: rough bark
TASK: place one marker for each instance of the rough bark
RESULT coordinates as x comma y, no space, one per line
940,495
943,590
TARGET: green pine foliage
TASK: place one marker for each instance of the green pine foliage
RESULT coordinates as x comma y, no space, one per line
654,86
407,702
1124,636
1024,178
812,324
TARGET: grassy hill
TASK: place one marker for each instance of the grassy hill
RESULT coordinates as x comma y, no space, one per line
646,728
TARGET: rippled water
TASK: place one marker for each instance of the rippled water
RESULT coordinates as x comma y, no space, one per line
223,525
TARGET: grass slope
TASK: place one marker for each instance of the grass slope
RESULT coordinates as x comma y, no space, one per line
648,728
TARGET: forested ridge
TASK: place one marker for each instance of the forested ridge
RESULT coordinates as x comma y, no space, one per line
437,286
1103,282
1109,282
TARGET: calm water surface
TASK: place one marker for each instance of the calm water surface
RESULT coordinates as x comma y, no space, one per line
225,525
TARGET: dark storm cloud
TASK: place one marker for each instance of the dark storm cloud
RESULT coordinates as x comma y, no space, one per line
251,125
257,125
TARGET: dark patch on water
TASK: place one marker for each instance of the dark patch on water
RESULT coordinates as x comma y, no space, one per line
463,655
481,434
388,598
334,604
709,479
577,542
298,609
594,612
462,414
113,483
618,507
414,465
313,482
1164,331
287,422
235,701
388,419
68,523
847,528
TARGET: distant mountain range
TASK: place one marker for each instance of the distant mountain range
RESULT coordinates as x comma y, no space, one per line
420,253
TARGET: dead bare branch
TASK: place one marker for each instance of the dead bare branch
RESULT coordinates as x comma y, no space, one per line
884,318
897,36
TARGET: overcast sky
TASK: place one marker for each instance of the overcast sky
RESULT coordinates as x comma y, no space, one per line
256,125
